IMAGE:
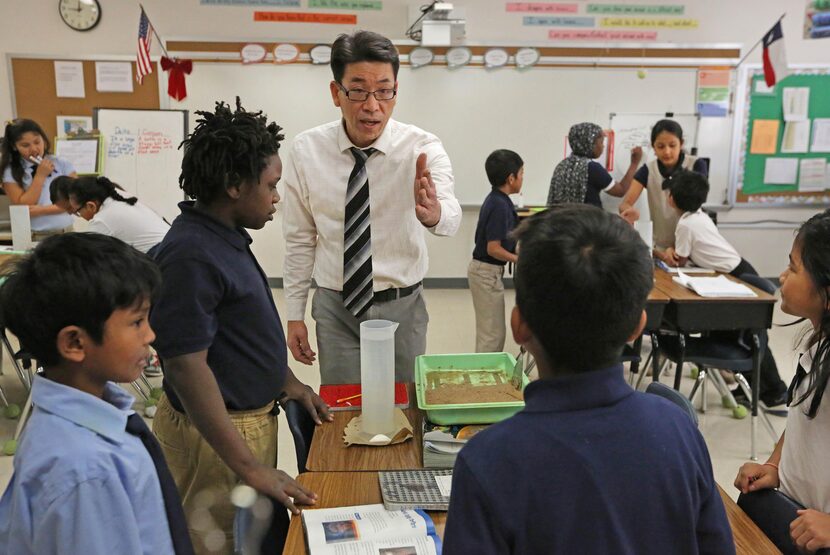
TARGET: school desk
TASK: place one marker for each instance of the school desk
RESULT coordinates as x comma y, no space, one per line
329,453
749,539
688,312
342,489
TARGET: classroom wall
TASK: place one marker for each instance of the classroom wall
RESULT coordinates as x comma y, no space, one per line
34,27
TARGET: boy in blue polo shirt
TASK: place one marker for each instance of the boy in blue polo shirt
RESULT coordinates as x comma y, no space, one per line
494,248
589,465
220,338
88,476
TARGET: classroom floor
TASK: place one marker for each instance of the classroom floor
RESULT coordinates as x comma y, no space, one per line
452,329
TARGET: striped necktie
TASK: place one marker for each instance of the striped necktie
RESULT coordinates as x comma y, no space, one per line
357,238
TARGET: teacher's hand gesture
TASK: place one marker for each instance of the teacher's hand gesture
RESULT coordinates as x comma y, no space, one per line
427,207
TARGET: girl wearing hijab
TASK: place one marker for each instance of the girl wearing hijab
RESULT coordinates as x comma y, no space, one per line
580,179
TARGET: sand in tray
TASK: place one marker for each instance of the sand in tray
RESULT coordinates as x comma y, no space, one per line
461,387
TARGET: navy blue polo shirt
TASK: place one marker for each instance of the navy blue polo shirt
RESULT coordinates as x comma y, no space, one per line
598,180
589,466
214,296
496,219
700,166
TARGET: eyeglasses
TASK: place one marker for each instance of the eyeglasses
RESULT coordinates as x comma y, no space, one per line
359,95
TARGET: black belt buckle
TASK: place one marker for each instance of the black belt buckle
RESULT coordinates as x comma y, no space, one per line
392,294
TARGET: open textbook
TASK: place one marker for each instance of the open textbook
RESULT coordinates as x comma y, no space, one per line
369,530
719,286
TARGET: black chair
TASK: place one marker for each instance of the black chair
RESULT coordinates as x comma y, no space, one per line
720,352
772,512
302,430
657,388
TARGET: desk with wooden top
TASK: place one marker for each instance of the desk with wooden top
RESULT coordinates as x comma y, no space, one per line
344,489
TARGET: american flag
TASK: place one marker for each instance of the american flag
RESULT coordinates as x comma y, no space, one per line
143,65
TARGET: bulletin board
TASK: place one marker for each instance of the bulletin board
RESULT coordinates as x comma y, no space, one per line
756,104
35,96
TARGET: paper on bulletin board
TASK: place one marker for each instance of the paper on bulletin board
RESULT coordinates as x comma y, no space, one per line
69,79
780,171
796,136
812,174
796,101
764,136
821,135
113,77
83,153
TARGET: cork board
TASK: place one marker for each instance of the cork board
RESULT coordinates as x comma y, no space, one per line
35,96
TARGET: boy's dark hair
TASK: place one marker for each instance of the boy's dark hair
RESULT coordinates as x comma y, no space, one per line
689,190
226,149
813,240
87,188
362,46
72,279
9,156
500,165
669,126
582,281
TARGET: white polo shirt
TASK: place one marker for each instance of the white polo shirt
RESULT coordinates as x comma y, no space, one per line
803,467
697,238
137,225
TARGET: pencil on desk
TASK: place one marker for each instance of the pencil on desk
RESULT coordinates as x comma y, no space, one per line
338,401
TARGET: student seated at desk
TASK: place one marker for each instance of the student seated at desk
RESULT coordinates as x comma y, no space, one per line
101,202
494,248
88,476
798,465
579,178
697,239
28,168
589,465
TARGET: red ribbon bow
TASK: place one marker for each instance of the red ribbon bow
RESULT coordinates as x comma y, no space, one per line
176,86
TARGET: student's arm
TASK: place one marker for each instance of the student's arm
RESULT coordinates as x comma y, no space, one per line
634,191
48,210
296,390
621,187
498,252
472,526
300,245
94,516
754,476
194,383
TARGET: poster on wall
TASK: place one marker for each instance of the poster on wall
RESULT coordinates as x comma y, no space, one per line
817,19
713,92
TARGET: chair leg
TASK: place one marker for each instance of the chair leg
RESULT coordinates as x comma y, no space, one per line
744,385
3,397
704,398
701,380
137,387
681,339
24,416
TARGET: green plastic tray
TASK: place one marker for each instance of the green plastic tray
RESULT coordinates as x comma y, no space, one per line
467,413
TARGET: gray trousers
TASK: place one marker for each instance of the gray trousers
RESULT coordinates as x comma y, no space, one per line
338,334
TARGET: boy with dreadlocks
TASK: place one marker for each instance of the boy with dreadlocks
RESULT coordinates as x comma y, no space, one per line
218,332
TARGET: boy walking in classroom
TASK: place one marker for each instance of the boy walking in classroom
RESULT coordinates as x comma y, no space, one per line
697,239
589,465
89,477
494,248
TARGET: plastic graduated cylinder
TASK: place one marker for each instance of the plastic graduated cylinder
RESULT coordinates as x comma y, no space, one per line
377,375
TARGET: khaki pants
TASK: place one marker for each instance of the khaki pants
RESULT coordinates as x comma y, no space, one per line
487,288
203,480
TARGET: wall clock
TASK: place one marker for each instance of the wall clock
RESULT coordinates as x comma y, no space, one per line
81,15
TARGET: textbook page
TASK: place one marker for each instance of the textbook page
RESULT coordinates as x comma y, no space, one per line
345,527
427,545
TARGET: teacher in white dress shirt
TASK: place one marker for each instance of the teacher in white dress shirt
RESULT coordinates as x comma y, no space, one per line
359,193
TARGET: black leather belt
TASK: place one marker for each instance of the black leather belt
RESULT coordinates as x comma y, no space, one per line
391,294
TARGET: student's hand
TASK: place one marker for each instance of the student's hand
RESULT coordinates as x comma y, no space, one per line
670,257
313,403
279,485
427,207
754,477
297,339
636,155
811,530
45,168
631,215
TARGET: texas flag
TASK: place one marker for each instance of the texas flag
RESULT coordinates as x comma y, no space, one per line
775,59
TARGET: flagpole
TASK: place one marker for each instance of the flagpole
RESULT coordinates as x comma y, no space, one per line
751,50
158,38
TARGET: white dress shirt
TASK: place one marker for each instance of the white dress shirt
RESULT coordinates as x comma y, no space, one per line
803,467
697,237
137,225
316,175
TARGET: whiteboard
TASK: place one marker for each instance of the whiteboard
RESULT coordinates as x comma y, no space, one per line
141,154
472,110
